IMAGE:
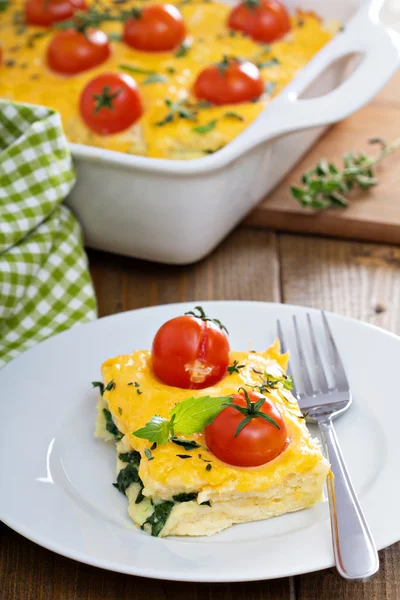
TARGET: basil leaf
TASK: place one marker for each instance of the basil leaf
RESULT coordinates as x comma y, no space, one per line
194,414
156,430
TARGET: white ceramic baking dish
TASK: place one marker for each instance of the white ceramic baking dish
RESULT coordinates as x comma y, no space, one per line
178,211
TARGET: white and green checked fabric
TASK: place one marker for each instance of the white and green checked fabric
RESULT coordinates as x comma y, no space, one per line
45,286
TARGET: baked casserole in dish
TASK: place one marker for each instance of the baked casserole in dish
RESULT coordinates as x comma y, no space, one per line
135,193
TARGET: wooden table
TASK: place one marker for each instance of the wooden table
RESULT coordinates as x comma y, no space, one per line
357,279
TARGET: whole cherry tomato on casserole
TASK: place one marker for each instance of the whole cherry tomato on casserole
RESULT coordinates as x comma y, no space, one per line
155,28
191,351
110,103
263,20
229,82
250,436
70,51
47,12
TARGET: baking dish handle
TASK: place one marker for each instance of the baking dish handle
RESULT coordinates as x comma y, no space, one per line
365,35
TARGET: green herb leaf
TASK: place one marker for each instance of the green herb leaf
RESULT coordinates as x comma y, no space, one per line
185,497
119,410
136,70
233,115
180,110
153,446
186,444
171,70
202,129
159,517
113,37
272,62
148,454
205,503
270,88
184,456
234,368
156,430
4,4
183,49
111,426
126,476
110,386
155,78
100,385
194,414
208,467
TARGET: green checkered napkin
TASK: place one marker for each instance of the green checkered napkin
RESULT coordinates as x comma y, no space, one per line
45,285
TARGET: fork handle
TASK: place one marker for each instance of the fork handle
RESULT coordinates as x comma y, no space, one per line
354,549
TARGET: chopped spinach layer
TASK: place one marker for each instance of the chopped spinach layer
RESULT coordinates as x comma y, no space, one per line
185,497
111,426
132,457
126,476
159,517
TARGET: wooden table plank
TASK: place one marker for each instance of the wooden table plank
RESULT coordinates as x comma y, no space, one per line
244,266
361,281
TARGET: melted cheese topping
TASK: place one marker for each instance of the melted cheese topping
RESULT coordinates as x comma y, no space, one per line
24,77
168,474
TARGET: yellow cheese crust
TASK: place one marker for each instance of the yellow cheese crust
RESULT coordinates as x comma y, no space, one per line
24,77
292,481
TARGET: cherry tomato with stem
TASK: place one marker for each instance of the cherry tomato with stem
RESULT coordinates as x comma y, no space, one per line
231,81
263,20
70,51
249,432
47,12
110,103
155,28
191,351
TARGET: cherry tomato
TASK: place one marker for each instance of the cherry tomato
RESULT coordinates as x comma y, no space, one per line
190,352
47,12
263,20
257,443
110,103
229,82
71,52
156,28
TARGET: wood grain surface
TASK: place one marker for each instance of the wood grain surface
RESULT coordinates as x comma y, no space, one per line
372,216
356,279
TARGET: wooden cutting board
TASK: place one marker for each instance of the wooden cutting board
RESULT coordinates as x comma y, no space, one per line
372,215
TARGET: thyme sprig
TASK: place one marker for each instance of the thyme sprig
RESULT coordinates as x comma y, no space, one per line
327,186
182,109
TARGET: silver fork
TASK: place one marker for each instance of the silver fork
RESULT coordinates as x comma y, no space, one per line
354,549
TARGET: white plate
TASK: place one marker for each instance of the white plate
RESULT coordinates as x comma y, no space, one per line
56,478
